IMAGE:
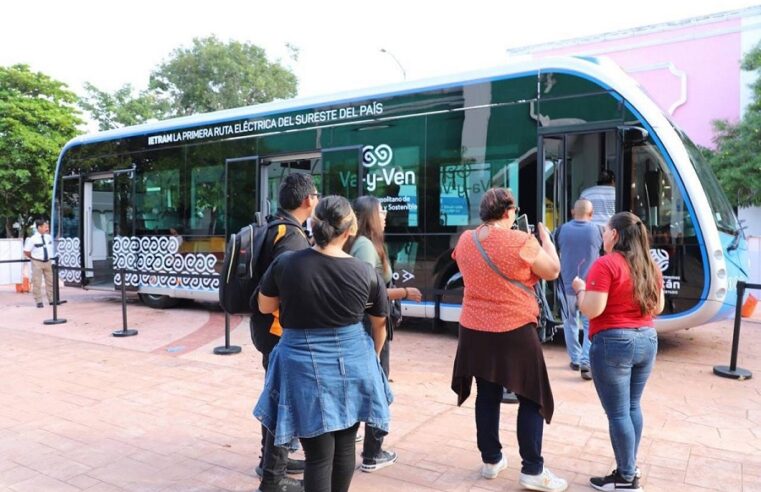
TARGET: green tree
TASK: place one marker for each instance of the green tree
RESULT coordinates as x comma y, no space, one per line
37,117
737,159
122,108
212,75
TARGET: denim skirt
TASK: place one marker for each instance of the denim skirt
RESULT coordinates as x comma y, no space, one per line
322,380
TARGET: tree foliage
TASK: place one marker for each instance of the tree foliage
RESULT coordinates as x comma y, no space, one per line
122,108
37,117
737,159
212,75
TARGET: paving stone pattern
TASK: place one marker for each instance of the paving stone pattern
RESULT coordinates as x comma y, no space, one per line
82,410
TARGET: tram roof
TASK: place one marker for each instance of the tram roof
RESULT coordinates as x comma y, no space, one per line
593,66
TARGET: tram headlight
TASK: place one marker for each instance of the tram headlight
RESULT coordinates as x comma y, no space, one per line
721,274
718,254
721,293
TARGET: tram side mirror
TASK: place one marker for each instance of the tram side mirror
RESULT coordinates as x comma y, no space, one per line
633,134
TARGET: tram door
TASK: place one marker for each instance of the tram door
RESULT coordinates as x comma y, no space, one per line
108,212
572,163
275,169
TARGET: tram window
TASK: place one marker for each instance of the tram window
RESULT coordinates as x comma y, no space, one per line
553,84
578,110
158,201
392,157
277,171
654,196
207,189
464,162
69,218
722,210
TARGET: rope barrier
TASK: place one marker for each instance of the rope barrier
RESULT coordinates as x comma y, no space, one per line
227,349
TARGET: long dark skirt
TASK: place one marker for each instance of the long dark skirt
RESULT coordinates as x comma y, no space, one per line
512,359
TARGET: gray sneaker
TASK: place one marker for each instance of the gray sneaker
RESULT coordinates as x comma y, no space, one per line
382,460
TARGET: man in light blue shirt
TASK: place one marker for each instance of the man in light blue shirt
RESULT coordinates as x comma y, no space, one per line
579,242
603,198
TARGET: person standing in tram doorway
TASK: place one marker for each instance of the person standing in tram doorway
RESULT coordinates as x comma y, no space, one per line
579,243
622,294
39,248
603,198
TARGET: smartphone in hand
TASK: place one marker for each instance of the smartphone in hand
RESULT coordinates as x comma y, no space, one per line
521,223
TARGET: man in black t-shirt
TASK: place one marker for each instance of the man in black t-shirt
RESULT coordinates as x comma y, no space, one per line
296,199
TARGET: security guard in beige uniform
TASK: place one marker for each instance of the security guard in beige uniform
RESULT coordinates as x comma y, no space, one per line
39,248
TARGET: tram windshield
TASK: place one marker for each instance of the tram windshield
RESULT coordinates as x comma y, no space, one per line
720,207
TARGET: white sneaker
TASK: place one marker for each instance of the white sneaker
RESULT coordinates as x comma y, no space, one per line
545,481
491,470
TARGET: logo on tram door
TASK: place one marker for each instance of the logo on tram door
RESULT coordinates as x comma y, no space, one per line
375,159
671,283
661,258
380,155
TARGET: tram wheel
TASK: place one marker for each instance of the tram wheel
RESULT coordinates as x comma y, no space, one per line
157,301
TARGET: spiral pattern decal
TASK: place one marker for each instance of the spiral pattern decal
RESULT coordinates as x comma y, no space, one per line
67,249
661,258
380,155
157,255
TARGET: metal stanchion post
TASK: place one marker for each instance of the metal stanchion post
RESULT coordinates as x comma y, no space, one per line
55,320
124,332
734,372
227,349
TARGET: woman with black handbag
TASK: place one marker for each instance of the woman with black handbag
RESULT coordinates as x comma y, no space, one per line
368,246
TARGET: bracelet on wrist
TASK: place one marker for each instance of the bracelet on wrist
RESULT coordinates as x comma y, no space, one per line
406,294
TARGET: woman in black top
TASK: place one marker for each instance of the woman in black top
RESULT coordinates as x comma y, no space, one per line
324,376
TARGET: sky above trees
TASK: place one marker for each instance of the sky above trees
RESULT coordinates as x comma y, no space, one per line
339,42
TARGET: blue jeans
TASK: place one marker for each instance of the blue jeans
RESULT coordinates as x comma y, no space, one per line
622,360
530,428
578,353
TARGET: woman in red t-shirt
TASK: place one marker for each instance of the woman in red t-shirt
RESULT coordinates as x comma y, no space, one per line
622,293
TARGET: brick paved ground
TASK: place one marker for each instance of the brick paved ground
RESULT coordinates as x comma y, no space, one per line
82,410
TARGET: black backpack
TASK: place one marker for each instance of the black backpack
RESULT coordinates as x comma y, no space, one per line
240,272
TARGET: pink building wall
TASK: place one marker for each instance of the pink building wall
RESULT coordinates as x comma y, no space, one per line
706,56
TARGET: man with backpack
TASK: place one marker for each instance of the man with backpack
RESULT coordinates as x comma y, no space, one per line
297,198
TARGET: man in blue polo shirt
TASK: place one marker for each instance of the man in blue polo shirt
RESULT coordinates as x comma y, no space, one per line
579,242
